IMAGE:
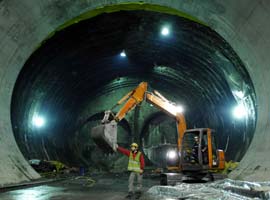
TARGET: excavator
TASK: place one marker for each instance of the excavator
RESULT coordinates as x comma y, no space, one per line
197,152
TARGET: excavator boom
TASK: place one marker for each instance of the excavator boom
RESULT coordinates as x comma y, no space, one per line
133,98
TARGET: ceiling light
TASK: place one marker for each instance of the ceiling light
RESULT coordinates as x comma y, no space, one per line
239,111
38,121
179,109
171,154
123,54
165,31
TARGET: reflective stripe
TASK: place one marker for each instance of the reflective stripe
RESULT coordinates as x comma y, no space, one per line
134,164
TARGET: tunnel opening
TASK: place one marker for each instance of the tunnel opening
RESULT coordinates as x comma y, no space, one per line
158,137
81,70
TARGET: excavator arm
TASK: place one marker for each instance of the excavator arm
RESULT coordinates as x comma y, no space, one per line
132,99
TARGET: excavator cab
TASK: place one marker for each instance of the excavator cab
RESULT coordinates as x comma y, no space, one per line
199,157
199,151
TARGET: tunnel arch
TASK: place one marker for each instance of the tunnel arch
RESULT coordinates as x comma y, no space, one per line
151,149
66,77
22,34
156,116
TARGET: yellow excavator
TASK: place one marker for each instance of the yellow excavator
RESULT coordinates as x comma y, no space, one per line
197,152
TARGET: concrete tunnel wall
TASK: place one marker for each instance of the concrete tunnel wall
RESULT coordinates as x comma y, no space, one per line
244,24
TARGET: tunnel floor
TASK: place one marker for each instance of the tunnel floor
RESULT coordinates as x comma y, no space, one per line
114,187
109,187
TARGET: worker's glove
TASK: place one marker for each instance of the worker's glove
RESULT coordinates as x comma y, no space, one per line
141,171
115,147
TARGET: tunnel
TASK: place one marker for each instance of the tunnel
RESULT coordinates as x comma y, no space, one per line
63,63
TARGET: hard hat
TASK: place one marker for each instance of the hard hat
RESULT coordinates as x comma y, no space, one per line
134,145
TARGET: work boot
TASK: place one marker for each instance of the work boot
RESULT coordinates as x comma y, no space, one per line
130,195
138,195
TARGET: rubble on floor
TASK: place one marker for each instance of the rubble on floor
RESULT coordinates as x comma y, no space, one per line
226,190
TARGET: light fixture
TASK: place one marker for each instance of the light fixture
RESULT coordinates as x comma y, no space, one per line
171,154
38,121
165,31
179,109
123,54
239,111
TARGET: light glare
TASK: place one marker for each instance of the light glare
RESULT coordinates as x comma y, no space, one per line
179,109
240,111
165,31
123,54
172,155
239,94
38,121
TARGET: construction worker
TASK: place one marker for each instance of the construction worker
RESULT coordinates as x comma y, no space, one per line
195,149
136,167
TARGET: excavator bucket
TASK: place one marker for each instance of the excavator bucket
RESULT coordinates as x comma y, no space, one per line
105,136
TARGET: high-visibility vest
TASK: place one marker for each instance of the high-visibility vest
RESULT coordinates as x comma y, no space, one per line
134,165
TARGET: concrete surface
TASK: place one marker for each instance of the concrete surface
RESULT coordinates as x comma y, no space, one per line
244,24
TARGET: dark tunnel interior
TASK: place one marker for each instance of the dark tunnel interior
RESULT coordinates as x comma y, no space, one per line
79,72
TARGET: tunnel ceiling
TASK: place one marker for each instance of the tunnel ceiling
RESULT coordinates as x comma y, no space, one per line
193,65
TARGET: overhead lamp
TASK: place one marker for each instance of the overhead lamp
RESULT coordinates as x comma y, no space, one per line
239,111
38,121
179,109
123,54
171,154
165,31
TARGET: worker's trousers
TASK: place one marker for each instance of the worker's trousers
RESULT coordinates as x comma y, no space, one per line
131,181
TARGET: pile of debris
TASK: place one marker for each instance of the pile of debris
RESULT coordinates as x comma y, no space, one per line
226,190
